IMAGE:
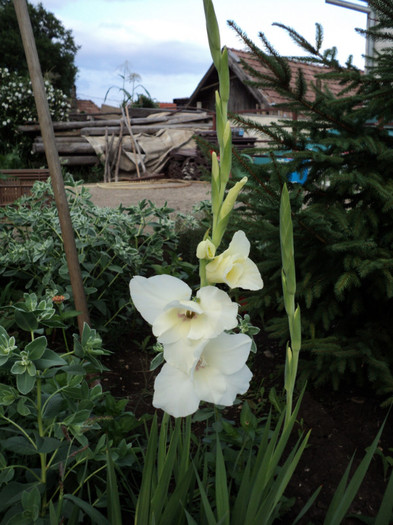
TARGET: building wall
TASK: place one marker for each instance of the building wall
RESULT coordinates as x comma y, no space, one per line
240,98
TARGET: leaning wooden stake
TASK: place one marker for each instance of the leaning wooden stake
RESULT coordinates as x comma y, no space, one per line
52,158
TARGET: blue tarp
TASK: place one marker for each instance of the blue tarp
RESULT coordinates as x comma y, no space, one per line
295,176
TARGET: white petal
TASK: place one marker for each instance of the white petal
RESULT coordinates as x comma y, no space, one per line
237,383
210,384
239,245
184,306
218,269
220,313
184,354
248,277
170,326
151,295
174,392
234,274
228,353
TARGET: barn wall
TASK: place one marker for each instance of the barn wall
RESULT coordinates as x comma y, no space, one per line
240,98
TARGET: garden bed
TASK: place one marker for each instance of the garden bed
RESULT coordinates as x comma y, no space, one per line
342,423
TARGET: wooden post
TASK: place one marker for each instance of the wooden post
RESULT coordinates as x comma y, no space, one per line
52,158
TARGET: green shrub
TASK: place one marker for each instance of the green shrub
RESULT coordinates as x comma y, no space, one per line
61,436
113,245
343,215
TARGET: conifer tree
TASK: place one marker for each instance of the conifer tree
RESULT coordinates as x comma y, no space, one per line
343,214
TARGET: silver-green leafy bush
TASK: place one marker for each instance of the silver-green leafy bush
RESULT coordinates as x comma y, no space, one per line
112,243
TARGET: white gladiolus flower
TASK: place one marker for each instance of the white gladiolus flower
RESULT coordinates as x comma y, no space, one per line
233,267
218,375
184,354
165,302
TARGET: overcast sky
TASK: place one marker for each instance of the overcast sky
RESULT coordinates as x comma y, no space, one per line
165,42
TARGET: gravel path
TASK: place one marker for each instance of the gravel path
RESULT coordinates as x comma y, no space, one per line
179,195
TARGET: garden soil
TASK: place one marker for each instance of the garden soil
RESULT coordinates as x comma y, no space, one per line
341,423
178,194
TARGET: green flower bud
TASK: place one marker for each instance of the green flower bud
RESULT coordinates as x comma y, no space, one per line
230,199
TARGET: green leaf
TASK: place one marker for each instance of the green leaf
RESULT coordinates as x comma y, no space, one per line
114,505
20,519
31,369
345,494
96,517
53,515
156,361
8,395
36,348
19,445
21,407
173,506
53,323
222,494
142,512
11,494
6,476
209,514
25,383
79,417
48,359
26,321
384,516
3,359
166,459
31,502
47,444
18,368
54,406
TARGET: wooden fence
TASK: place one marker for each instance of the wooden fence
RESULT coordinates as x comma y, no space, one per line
18,182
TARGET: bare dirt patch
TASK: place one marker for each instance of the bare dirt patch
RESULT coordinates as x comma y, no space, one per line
177,194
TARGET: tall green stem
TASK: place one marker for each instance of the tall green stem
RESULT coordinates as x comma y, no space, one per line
288,276
222,204
41,434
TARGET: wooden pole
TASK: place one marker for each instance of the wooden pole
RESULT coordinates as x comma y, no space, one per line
52,158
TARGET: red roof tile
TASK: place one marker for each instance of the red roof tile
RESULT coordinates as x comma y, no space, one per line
310,73
86,106
167,105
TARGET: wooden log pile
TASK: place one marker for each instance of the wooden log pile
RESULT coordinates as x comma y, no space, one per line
75,150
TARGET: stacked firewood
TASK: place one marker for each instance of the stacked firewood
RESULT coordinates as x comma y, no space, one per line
74,147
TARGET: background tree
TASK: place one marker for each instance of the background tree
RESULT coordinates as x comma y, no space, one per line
55,45
343,214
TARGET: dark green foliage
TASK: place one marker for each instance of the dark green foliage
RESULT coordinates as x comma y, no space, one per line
55,45
145,101
343,215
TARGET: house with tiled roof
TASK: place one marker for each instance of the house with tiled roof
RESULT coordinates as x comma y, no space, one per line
246,98
86,106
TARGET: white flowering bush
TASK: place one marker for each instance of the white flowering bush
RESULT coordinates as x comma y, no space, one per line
17,106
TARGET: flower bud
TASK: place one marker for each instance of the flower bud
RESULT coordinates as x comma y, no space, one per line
206,250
